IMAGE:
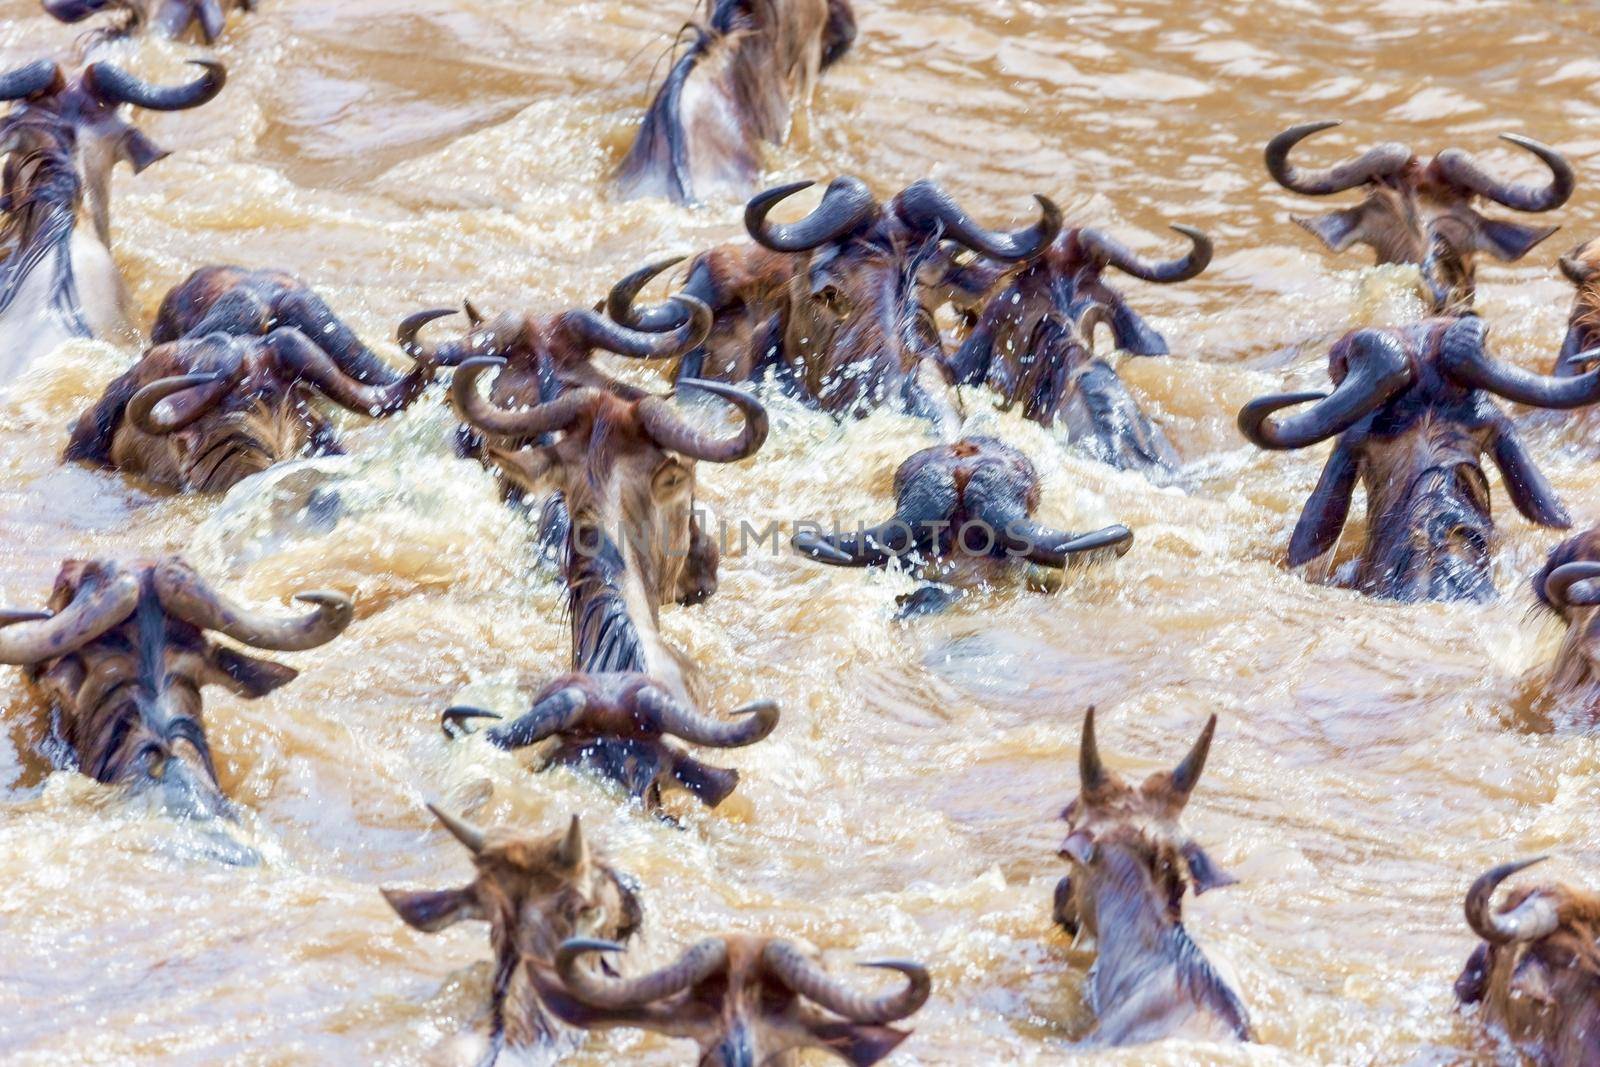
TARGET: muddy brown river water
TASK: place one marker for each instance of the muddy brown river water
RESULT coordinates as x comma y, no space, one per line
1372,757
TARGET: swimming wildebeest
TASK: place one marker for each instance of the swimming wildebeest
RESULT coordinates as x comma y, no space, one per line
963,511
1565,585
1132,862
746,1000
1032,340
535,892
746,74
227,390
169,18
846,318
1536,976
61,138
122,655
1421,211
626,468
1582,268
1412,417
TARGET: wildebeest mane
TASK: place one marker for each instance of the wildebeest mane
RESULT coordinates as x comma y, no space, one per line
40,200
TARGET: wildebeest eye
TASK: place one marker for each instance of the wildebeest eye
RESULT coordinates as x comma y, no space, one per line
830,297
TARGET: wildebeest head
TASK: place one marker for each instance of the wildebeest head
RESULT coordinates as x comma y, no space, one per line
1132,862
123,654
974,498
1537,972
64,135
859,329
1565,585
1582,268
1421,211
535,892
747,1001
1412,416
745,72
169,18
621,724
206,412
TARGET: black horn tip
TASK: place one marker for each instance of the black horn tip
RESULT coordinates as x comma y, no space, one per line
815,547
454,722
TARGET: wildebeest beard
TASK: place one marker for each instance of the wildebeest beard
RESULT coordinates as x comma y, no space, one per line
605,636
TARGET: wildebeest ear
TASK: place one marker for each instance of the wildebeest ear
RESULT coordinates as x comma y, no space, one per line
431,910
1474,979
1323,516
246,675
90,440
1079,846
1509,241
141,151
1134,336
1336,229
856,1043
1204,871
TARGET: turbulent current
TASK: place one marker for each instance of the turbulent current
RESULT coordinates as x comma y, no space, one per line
1371,758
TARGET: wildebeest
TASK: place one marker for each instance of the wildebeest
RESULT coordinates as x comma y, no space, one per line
1536,976
535,892
625,466
1582,268
169,18
226,391
1032,340
1420,211
1412,416
963,510
122,655
58,280
746,74
746,1000
1565,585
847,320
1132,863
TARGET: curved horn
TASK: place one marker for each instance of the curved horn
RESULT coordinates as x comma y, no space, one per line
1377,370
406,335
206,391
1375,162
491,340
30,80
550,715
619,302
308,363
846,205
1092,774
460,829
1559,585
482,413
1054,548
1534,918
669,430
928,207
113,84
755,721
1114,252
597,331
1576,270
186,595
1461,169
28,637
1463,357
693,967
804,976
1187,773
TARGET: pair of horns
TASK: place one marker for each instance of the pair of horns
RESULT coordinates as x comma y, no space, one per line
656,415
1453,164
848,205
1378,369
652,712
1093,774
573,852
113,85
703,961
105,600
1536,917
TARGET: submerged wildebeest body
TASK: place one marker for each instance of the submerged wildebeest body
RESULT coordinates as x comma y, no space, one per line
747,72
535,893
846,321
62,137
226,391
1132,863
123,654
745,1000
625,468
1032,340
1565,585
1420,211
962,511
1412,417
169,18
1582,268
1536,975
